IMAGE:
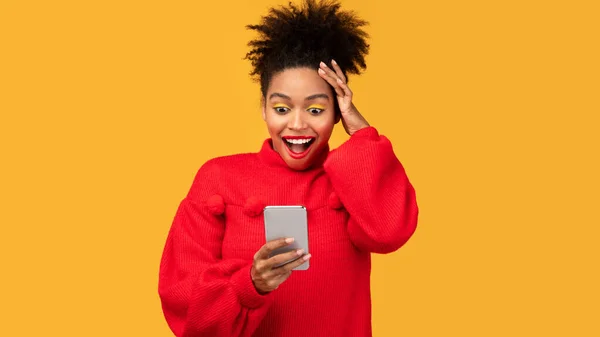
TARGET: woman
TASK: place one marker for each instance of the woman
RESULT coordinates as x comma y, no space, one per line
216,277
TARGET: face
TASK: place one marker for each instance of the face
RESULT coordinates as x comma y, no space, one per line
299,112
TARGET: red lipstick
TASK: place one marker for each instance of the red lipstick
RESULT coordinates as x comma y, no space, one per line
294,154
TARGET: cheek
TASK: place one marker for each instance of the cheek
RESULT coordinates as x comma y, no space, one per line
323,126
275,124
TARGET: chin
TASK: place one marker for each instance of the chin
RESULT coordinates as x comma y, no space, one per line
297,165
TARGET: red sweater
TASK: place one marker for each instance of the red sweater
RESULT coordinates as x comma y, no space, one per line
359,200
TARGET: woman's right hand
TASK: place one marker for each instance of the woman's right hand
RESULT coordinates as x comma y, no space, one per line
265,276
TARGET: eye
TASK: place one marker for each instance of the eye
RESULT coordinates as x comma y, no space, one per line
281,110
315,111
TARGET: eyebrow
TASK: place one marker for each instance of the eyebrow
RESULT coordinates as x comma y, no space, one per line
309,98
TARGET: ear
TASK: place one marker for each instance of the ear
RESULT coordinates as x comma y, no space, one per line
338,113
263,103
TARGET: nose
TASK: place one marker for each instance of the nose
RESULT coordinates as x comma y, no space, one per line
296,121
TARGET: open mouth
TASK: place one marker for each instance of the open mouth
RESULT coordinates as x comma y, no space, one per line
298,146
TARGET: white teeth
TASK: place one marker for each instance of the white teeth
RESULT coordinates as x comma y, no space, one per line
298,141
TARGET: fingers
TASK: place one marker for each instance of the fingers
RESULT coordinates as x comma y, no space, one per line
331,73
265,276
264,252
336,79
332,82
288,267
344,87
331,77
338,71
281,258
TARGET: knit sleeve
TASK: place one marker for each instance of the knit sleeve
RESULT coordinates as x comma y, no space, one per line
202,294
375,190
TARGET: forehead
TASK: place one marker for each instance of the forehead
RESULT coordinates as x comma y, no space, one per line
299,82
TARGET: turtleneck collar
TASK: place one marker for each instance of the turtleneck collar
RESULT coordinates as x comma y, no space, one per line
270,157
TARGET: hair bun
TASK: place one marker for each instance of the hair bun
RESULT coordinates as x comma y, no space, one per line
292,36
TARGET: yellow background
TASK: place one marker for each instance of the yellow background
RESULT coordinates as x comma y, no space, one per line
108,108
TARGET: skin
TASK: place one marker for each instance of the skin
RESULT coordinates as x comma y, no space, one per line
300,102
351,118
265,277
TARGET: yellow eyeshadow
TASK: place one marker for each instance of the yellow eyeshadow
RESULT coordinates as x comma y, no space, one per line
317,106
280,105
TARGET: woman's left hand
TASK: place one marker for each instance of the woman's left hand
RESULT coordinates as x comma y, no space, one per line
351,118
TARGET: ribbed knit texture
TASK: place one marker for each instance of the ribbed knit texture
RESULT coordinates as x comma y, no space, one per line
359,200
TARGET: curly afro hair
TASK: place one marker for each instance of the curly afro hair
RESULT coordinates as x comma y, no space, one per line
293,37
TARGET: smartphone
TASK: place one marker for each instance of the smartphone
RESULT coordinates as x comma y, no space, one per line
288,222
